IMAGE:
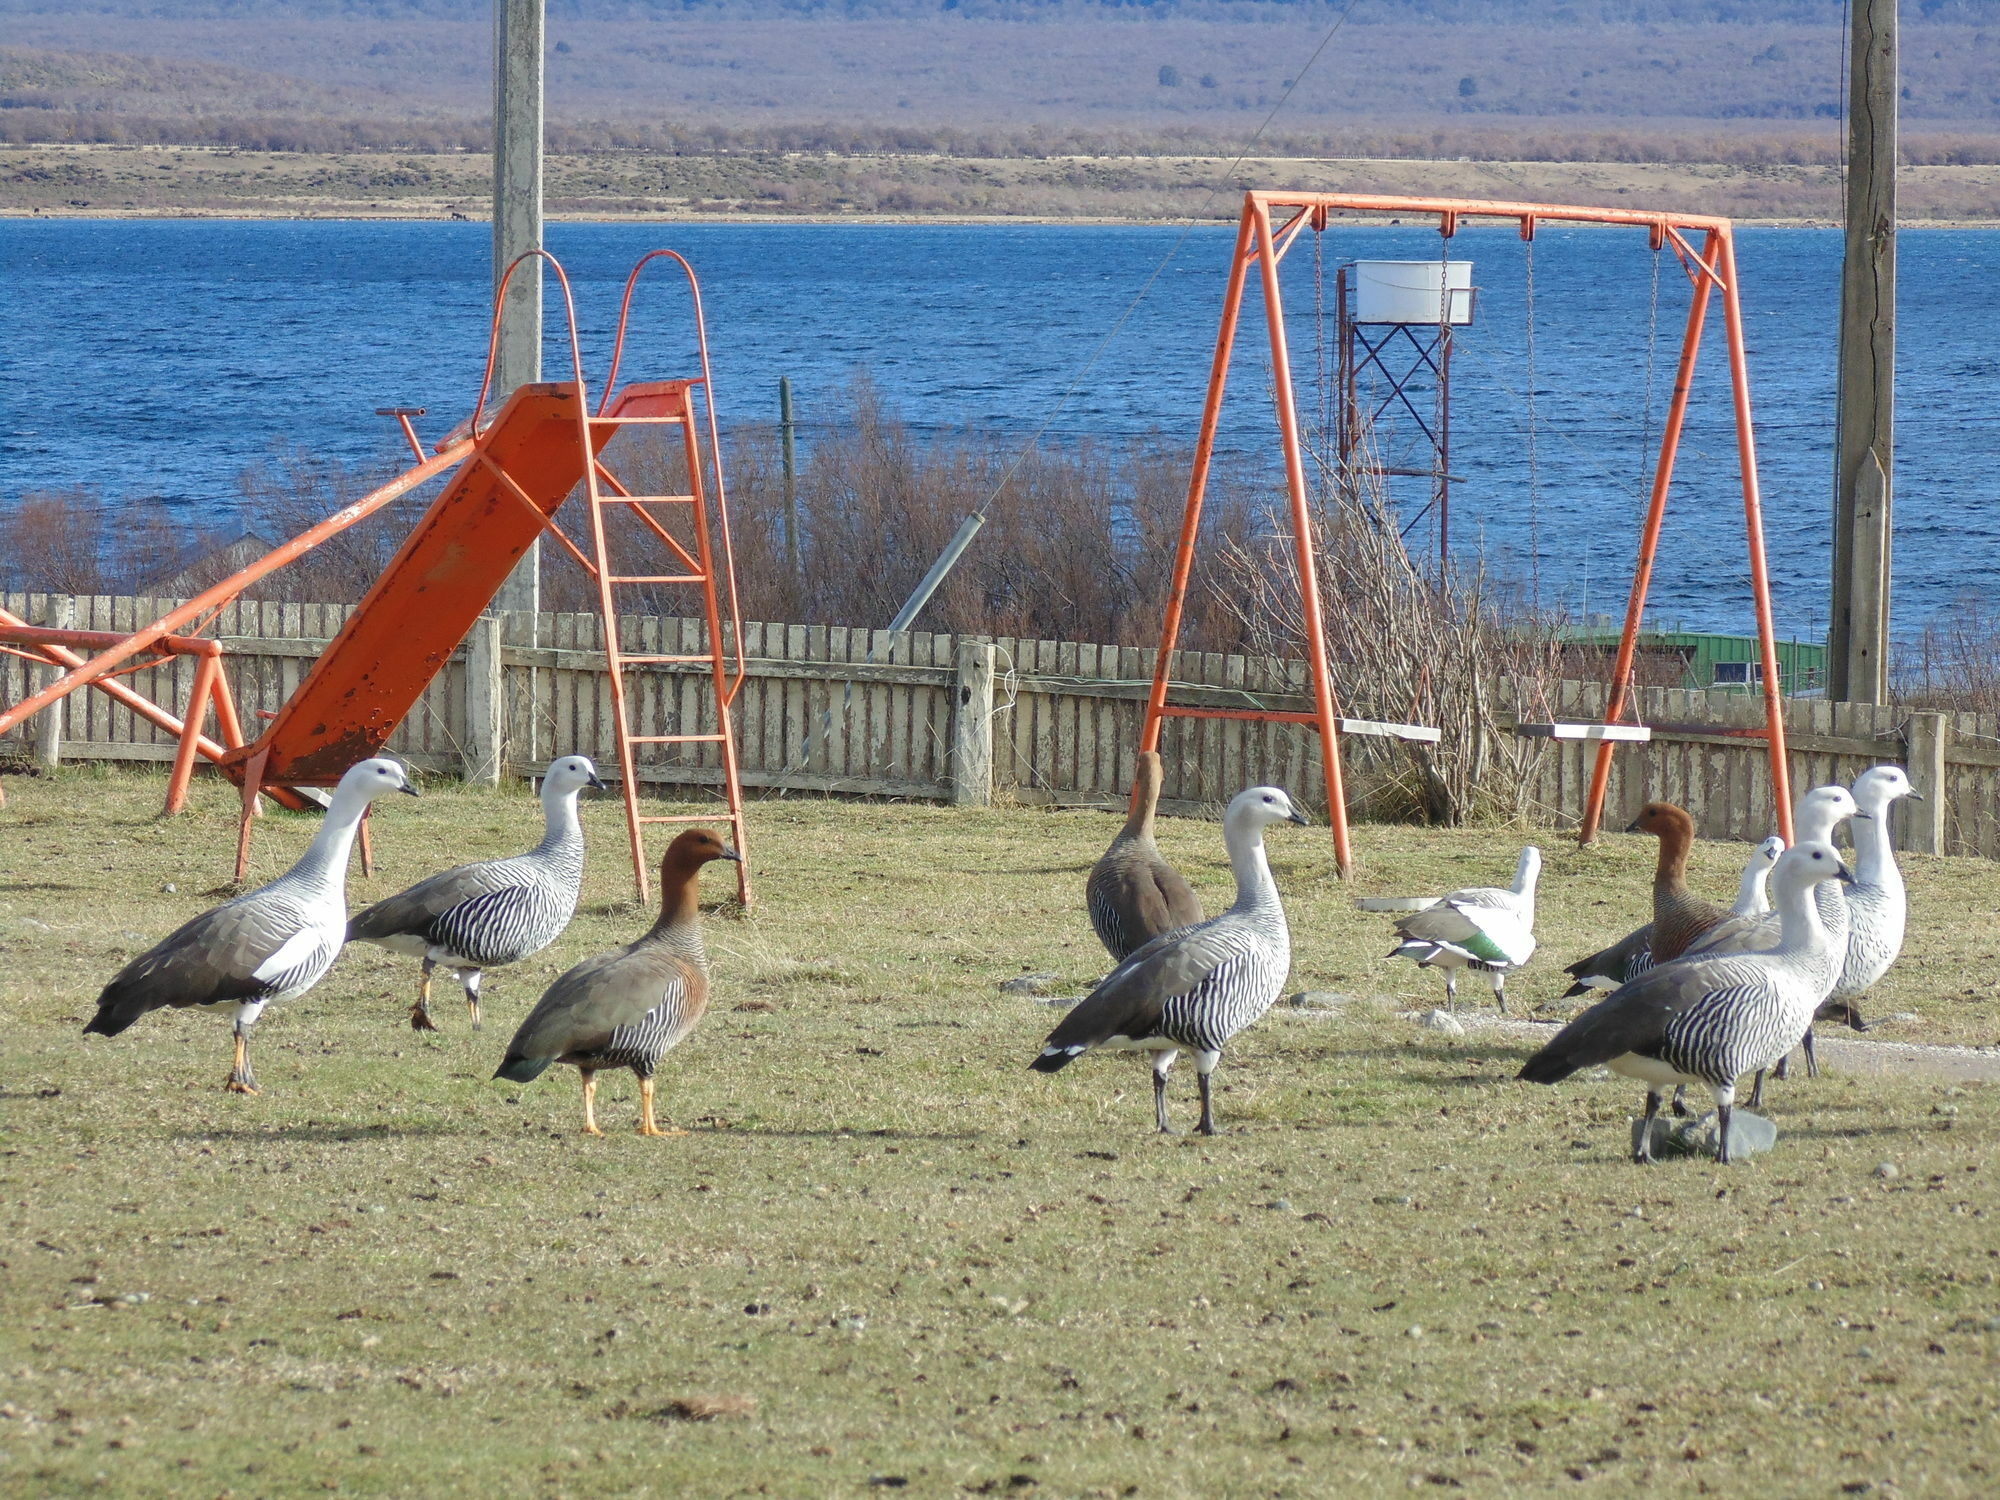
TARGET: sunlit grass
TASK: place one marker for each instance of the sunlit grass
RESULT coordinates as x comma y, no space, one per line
1397,1267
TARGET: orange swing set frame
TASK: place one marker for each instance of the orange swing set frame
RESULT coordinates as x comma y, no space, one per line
1270,224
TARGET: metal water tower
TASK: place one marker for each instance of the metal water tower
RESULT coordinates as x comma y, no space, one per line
1396,321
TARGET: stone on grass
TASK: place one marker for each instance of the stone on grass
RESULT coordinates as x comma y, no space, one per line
1029,984
1749,1135
1442,1021
1887,1169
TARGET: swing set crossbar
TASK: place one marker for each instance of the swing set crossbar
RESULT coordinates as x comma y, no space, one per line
1270,224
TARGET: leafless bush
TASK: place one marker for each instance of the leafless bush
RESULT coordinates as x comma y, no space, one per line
1955,663
1456,652
1078,544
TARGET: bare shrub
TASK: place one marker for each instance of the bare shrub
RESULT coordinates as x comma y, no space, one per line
1955,663
1456,652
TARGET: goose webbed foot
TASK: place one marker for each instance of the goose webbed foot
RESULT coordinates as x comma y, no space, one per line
1680,1105
647,1124
420,1013
241,1079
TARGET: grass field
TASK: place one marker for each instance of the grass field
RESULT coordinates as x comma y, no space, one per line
889,1258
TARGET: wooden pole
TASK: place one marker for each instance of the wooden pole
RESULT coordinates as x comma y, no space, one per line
972,726
518,27
1858,636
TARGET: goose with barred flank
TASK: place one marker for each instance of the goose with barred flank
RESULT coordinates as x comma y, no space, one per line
1133,894
482,916
628,1009
1483,928
1194,988
1814,818
1709,1020
1677,912
267,945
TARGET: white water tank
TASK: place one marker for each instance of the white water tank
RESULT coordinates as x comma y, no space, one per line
1413,291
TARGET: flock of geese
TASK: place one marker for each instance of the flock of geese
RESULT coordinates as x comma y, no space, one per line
1700,995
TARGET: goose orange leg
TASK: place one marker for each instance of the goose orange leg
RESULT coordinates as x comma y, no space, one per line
420,1013
589,1076
241,1079
647,1124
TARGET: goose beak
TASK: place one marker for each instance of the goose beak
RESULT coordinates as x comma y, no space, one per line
730,853
1844,875
1295,816
1914,796
596,783
409,790
1868,817
1633,826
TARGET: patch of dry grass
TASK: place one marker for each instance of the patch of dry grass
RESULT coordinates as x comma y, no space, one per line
1397,1268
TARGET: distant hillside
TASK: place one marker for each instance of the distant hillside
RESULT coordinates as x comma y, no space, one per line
1756,80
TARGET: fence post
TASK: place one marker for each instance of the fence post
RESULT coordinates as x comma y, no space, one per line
485,703
972,726
1926,740
60,615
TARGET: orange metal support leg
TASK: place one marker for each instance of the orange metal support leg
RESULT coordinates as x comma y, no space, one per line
1649,539
253,780
1204,455
1302,538
207,669
1753,521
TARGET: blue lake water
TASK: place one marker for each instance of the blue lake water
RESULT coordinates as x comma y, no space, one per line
159,358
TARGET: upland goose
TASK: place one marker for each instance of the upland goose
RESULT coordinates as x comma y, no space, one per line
1876,903
482,916
1195,988
1710,1020
1680,917
628,1009
1814,818
266,945
1134,895
1483,928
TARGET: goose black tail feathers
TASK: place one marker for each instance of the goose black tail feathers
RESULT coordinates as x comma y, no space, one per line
523,1069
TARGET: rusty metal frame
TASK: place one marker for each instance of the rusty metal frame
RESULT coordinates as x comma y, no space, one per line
1269,225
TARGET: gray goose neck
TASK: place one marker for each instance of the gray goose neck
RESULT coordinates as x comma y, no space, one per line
1800,929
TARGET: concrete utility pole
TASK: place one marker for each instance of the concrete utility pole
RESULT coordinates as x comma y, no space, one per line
1858,638
517,226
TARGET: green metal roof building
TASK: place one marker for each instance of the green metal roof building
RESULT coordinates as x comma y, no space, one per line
1719,661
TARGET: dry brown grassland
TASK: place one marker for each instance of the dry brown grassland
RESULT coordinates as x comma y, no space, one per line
888,1257
185,181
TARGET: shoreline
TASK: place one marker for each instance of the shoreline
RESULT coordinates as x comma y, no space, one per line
95,181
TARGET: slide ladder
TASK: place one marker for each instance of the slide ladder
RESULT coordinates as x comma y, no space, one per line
672,546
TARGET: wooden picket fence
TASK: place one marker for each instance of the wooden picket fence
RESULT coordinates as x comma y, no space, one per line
973,720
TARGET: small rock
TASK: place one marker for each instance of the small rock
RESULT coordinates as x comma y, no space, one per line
170,888
1394,1200
1414,1331
1442,1021
130,936
1283,1205
1029,984
1815,1286
1749,1135
1888,1169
